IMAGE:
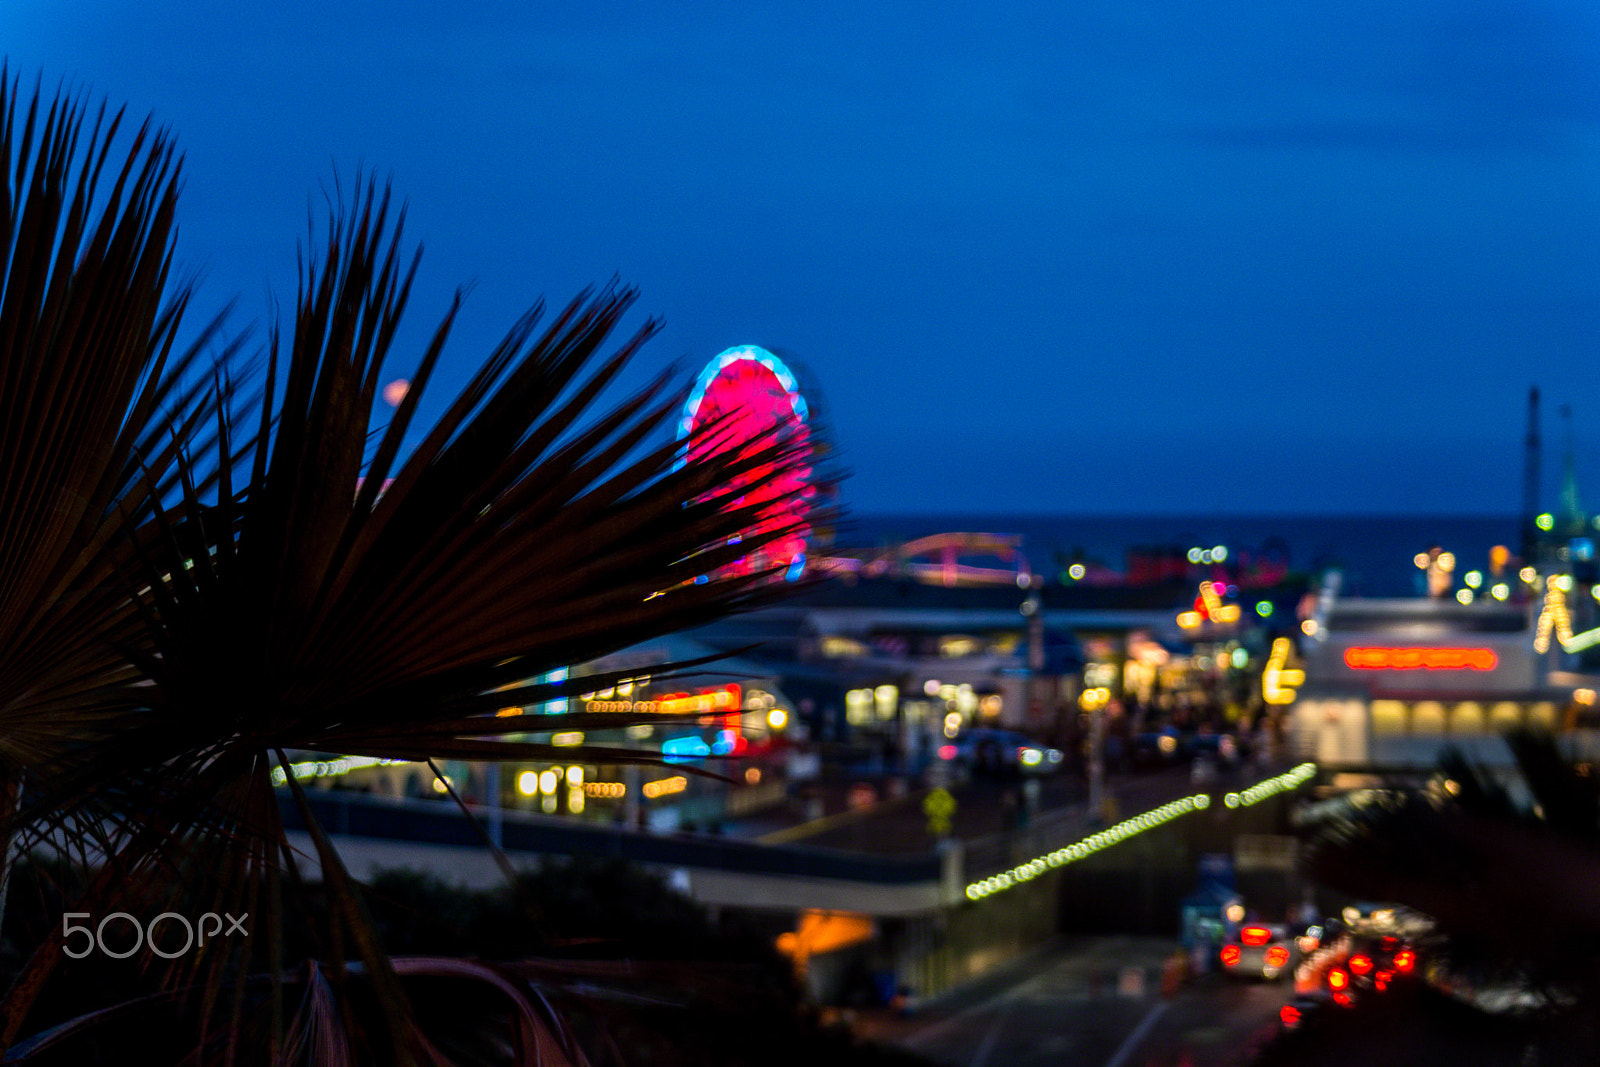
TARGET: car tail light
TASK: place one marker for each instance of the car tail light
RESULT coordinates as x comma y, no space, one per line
1404,960
1255,935
947,752
1277,956
1338,979
1290,1016
1230,955
1360,964
1342,999
1381,979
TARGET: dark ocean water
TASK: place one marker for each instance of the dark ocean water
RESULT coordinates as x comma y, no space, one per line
1374,552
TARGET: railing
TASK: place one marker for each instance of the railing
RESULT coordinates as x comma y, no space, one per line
439,823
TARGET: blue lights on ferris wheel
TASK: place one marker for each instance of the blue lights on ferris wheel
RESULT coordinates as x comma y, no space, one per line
742,353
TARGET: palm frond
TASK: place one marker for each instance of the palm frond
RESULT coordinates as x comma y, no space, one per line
308,606
90,393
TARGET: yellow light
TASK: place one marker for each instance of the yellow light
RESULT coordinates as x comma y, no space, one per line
1474,578
1236,913
508,713
1076,572
1501,590
1447,561
777,718
575,801
1421,560
1189,620
1464,596
569,739
662,787
574,776
439,786
752,775
1278,682
528,783
1528,574
1309,627
1583,696
1553,616
548,781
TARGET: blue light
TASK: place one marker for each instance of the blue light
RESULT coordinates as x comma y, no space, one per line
701,579
756,354
797,568
725,743
684,749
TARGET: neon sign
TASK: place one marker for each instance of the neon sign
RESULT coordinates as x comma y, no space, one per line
1428,659
727,698
1278,680
1555,617
1208,605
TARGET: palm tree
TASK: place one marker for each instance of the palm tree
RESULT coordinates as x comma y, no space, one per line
329,586
91,391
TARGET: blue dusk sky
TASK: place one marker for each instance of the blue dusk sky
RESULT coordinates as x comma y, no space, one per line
1100,256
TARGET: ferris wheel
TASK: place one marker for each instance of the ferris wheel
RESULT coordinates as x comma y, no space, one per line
754,395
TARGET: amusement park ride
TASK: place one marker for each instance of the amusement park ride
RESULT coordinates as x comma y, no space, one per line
747,398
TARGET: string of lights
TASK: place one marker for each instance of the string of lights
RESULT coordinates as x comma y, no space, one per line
1026,872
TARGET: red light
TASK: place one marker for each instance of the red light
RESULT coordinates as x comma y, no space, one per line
1337,979
1230,955
1342,999
1290,1015
1255,935
1404,960
1381,979
1410,659
1360,964
947,752
1277,956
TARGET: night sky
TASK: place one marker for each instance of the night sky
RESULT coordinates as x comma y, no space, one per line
1102,256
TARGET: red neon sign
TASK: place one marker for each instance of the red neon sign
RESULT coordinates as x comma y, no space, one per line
1429,659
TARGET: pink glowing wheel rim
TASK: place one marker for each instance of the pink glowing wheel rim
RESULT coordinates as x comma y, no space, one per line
754,393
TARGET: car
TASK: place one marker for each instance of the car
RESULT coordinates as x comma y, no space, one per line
1258,951
997,753
1356,963
1301,1008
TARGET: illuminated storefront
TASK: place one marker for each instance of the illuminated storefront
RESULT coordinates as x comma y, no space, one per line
1389,683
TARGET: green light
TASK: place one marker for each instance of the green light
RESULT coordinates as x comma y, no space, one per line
1546,521
1264,608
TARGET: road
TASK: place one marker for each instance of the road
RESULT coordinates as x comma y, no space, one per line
1095,1002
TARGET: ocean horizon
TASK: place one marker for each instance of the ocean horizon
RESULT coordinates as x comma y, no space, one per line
1373,551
